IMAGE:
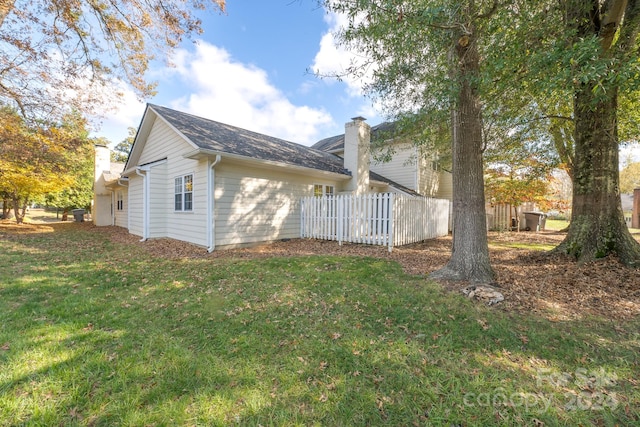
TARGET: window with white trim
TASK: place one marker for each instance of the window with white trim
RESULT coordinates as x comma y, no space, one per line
183,194
119,201
320,190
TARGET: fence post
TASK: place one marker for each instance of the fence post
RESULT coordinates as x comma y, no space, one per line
302,217
391,220
339,219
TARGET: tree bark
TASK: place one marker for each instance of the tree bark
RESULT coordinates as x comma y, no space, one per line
19,211
597,226
6,209
470,253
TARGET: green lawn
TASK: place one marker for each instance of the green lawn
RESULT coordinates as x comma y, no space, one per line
97,334
555,224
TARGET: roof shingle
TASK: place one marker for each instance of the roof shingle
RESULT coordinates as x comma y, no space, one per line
211,135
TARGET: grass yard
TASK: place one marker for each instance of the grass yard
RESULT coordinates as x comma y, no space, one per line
95,333
556,224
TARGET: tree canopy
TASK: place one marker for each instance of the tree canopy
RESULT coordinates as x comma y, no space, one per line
36,160
434,62
120,152
568,71
630,178
64,53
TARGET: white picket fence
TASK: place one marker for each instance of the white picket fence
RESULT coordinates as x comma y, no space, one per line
386,219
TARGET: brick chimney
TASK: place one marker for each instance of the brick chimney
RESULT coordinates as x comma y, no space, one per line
357,141
101,210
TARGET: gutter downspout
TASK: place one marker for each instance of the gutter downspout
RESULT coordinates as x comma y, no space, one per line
211,203
145,207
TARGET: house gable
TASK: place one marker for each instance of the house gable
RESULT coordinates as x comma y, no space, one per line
147,124
211,137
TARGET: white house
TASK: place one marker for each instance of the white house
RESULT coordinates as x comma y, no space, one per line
220,186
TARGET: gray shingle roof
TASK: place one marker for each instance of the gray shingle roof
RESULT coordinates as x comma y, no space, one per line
377,177
336,143
211,135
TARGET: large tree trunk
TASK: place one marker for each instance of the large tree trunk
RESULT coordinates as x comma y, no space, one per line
597,226
470,254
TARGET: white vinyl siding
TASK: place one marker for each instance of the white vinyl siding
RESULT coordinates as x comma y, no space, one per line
191,227
257,205
401,168
159,203
445,189
122,208
163,143
135,205
428,179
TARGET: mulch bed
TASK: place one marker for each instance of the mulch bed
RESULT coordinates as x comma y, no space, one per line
532,281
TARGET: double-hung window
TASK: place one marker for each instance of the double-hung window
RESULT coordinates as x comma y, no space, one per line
119,201
320,190
183,194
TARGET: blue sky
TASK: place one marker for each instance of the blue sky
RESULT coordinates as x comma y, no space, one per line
251,68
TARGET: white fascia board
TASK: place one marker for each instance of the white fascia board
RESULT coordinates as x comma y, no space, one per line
145,167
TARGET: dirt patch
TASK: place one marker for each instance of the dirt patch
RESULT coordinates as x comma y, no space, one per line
530,279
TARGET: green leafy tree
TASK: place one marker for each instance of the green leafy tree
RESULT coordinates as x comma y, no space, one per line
598,53
579,65
439,61
80,192
519,168
36,160
630,178
120,152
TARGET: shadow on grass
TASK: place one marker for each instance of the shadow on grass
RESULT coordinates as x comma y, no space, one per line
103,335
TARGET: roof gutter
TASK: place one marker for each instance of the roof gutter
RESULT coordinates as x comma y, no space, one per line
204,152
119,182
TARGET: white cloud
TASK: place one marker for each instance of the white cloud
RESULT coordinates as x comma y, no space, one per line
217,87
333,59
123,114
238,94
